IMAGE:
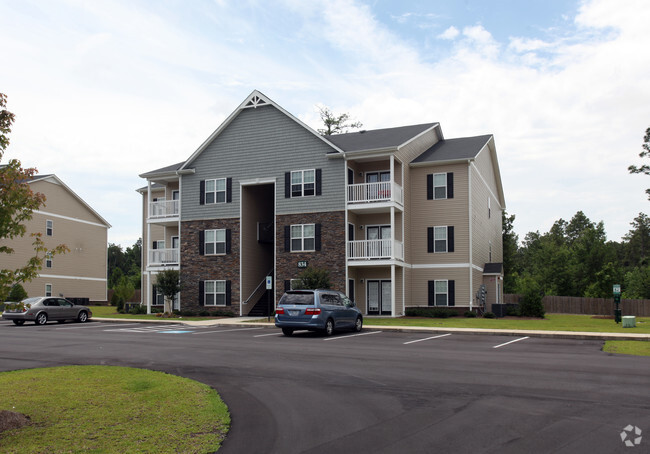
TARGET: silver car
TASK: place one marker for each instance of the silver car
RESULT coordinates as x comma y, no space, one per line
40,309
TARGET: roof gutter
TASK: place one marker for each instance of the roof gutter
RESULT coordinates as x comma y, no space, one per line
448,161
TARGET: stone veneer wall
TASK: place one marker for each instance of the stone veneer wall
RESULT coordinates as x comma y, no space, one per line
331,256
196,267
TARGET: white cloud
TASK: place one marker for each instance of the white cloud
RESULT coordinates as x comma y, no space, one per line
450,33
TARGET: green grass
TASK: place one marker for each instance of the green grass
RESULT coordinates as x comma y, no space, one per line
638,348
111,312
552,322
106,409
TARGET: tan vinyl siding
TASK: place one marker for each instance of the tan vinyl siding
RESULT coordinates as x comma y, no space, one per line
485,229
60,201
420,290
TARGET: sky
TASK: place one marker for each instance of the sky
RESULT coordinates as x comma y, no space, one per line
106,90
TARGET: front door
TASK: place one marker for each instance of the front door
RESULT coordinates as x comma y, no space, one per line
379,297
377,248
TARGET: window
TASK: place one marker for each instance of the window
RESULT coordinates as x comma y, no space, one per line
48,289
303,183
215,293
490,251
48,260
158,244
49,227
441,296
440,186
442,293
215,191
303,237
440,239
215,242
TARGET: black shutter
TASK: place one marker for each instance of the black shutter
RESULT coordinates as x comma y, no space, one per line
287,239
154,245
317,239
202,193
451,292
228,294
319,177
154,299
429,239
287,285
432,293
450,238
350,232
450,185
350,176
228,190
287,185
201,242
201,293
228,240
430,186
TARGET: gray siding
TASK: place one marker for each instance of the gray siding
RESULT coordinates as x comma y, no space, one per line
263,143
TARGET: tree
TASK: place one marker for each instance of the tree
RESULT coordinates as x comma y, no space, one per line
645,168
636,243
336,124
511,264
313,278
17,293
637,283
169,284
17,203
531,300
124,291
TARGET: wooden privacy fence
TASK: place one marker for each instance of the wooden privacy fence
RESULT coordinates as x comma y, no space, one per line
590,306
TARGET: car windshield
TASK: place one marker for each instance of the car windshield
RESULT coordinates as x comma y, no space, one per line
298,298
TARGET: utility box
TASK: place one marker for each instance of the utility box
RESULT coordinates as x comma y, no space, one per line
629,321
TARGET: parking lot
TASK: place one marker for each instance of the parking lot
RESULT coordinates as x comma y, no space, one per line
378,390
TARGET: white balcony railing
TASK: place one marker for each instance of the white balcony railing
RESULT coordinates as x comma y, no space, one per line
164,256
375,249
383,191
164,209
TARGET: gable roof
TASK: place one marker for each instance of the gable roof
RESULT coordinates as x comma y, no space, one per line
388,138
454,149
163,170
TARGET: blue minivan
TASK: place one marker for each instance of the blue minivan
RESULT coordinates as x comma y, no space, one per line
317,310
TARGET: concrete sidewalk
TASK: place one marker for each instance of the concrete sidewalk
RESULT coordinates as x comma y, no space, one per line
254,321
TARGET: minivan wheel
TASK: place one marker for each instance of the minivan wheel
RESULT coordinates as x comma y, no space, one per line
329,327
287,331
41,319
358,324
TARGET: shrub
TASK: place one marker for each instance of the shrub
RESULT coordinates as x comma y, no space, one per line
489,315
531,301
17,293
138,309
313,278
436,312
513,311
470,314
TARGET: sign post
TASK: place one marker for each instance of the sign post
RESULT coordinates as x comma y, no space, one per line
269,286
616,290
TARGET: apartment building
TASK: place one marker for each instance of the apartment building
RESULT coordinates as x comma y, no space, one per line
67,219
400,217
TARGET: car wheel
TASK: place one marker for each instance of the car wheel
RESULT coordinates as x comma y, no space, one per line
358,324
329,327
19,322
41,319
83,317
287,331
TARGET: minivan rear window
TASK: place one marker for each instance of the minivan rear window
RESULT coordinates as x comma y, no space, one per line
298,298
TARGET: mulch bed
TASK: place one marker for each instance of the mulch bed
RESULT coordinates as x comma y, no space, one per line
12,420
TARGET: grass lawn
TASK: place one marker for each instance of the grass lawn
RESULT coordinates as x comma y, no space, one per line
638,348
111,312
552,322
103,409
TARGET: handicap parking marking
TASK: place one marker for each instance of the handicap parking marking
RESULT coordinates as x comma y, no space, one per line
272,334
96,325
229,330
148,329
510,342
352,335
427,338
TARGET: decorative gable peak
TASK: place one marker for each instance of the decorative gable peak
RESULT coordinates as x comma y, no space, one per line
254,101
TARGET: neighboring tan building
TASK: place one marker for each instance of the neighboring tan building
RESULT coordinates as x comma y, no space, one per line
401,217
64,219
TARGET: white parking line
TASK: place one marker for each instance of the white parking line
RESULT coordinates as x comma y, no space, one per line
228,330
273,334
351,335
506,343
426,339
98,325
147,329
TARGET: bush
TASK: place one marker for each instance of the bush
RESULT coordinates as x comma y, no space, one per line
313,278
470,314
513,311
17,293
531,301
489,315
437,312
138,309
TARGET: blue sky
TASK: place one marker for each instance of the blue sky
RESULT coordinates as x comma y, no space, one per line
106,90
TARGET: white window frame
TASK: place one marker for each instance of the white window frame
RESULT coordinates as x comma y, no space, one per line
302,238
214,293
48,289
436,292
160,244
435,240
435,196
215,244
48,260
302,184
49,227
216,191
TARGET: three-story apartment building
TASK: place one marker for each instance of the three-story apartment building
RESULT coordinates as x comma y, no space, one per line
400,217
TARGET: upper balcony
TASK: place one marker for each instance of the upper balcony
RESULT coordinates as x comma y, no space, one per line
164,211
366,250
368,196
162,257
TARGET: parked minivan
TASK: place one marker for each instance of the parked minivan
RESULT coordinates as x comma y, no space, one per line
317,310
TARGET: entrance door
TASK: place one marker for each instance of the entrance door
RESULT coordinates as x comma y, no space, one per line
377,248
379,297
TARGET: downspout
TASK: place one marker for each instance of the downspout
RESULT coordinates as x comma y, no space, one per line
471,239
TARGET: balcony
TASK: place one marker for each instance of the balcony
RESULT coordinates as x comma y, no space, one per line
160,257
164,209
376,250
380,192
